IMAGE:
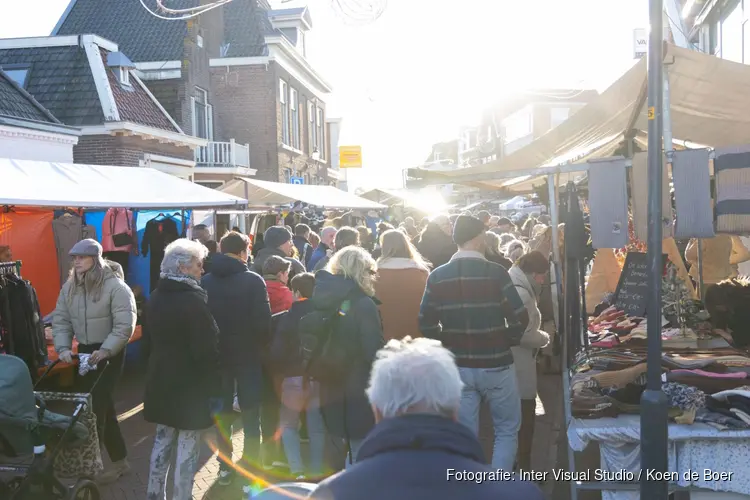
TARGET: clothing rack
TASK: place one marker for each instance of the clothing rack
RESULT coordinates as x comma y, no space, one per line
13,267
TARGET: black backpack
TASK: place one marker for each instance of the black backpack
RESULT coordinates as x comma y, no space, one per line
324,356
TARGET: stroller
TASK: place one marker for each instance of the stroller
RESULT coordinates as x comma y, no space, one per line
26,465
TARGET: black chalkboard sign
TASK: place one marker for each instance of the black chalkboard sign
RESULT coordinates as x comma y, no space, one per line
631,295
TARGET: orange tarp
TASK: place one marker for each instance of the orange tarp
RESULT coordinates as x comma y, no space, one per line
29,234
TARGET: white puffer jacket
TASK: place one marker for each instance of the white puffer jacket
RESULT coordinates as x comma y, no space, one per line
109,321
524,355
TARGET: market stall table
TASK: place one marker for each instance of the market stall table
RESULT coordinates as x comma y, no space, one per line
697,447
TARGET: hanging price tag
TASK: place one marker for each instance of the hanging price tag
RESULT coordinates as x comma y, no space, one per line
651,113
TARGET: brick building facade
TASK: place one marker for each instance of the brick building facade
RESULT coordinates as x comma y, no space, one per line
86,82
220,77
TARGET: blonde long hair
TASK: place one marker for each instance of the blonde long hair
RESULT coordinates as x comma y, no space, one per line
92,280
396,245
356,264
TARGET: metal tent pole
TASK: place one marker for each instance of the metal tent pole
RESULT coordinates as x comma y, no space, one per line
653,400
554,210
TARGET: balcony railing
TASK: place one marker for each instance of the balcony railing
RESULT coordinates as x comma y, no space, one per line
223,154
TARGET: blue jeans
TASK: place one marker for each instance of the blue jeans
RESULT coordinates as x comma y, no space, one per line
296,397
497,386
247,380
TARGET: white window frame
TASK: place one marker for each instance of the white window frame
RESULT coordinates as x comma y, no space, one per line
294,117
284,110
208,116
311,137
320,131
124,75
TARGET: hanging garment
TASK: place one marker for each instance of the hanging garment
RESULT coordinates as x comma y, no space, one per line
68,230
603,279
20,322
159,233
118,230
122,258
692,193
639,197
608,201
732,170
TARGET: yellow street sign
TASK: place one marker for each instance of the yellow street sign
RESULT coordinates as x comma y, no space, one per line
350,156
651,113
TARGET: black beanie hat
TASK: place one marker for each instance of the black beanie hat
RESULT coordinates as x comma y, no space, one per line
466,229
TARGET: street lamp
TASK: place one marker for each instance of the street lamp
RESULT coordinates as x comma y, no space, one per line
315,154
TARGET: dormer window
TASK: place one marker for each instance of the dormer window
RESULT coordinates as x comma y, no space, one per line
121,66
124,76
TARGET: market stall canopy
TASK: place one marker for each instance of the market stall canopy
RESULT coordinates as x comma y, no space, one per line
708,107
265,193
48,184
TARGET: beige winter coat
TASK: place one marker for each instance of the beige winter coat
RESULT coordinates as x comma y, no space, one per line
721,255
524,355
110,321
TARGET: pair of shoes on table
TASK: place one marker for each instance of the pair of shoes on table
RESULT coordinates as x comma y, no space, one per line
118,470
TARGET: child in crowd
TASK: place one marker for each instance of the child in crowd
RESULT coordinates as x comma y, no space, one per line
276,274
298,393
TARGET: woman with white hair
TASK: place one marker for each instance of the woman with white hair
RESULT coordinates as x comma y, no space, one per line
515,250
418,449
183,382
346,290
97,308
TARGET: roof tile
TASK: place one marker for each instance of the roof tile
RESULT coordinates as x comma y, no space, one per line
144,37
51,90
134,104
17,103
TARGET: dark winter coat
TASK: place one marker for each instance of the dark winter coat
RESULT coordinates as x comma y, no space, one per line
265,253
346,410
304,248
238,300
436,246
317,256
409,457
285,348
179,344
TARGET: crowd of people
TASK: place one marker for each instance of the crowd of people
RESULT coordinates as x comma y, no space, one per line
381,343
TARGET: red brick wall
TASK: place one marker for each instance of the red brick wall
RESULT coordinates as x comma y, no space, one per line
123,151
166,92
246,105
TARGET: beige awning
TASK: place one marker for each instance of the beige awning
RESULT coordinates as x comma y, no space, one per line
265,193
708,104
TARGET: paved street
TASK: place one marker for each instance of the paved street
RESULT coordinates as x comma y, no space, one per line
139,436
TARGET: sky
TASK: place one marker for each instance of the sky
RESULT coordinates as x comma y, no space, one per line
425,68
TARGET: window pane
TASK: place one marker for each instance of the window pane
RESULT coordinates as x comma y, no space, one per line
731,35
294,104
200,120
18,76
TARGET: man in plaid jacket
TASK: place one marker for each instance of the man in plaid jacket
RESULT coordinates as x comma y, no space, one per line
472,307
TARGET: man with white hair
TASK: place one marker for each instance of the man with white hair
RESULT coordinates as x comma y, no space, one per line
418,449
327,235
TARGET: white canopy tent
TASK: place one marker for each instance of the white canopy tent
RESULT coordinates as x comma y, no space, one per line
708,108
265,193
47,184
